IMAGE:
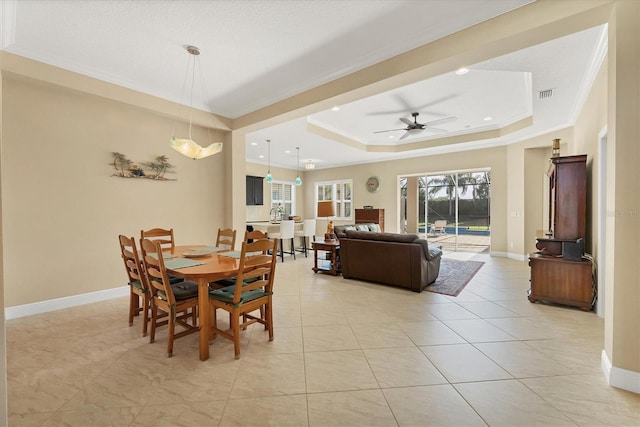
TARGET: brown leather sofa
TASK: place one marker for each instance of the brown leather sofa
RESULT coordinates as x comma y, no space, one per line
402,260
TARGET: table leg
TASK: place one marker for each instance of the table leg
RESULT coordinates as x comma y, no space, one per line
204,320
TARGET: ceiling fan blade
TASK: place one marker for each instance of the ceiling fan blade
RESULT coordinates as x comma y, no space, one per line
406,121
388,130
441,121
435,101
406,134
429,128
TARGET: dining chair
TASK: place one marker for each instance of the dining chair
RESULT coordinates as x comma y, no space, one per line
161,235
286,233
166,240
252,291
226,239
178,300
308,230
249,236
138,287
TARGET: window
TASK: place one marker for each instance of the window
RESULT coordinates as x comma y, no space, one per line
341,194
283,195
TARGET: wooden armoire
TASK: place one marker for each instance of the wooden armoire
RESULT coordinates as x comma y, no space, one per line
557,275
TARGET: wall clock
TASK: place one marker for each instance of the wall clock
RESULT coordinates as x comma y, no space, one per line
373,184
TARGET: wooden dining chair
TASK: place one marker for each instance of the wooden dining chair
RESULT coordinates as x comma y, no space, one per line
226,239
249,236
138,287
178,300
160,235
166,240
252,291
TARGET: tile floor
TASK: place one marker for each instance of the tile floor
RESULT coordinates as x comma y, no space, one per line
346,353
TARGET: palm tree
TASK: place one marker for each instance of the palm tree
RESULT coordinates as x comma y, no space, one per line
448,182
120,162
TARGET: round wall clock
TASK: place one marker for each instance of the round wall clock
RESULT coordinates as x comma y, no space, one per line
373,184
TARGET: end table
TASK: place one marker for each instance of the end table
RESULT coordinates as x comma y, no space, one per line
332,247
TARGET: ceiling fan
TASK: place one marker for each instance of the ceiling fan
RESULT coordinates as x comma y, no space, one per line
414,127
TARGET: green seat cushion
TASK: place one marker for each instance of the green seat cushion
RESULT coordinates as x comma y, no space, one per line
230,281
226,295
136,284
181,291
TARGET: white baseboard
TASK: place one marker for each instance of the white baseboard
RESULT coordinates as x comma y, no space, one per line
517,257
66,302
618,377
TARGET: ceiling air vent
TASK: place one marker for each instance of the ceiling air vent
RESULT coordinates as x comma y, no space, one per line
544,94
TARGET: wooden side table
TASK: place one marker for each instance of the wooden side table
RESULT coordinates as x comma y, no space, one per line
333,247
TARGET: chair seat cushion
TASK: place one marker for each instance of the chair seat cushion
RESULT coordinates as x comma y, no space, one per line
172,279
136,284
181,291
226,295
231,281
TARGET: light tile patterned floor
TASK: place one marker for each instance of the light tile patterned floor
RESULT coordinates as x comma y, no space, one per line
346,353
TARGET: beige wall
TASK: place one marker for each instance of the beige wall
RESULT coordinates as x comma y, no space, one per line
61,204
389,172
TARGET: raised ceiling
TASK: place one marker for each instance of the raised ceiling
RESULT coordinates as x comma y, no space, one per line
255,53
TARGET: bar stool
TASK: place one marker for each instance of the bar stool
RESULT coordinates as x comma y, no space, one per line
308,230
286,233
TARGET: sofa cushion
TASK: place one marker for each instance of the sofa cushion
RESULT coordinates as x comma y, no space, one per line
362,227
384,237
375,227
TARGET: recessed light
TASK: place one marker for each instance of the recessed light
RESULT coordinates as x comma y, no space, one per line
461,71
261,156
254,143
336,108
391,137
287,151
486,119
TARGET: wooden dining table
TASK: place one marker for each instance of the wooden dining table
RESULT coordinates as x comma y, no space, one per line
215,266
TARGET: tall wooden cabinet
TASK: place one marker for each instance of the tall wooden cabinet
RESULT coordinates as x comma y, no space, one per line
555,277
370,215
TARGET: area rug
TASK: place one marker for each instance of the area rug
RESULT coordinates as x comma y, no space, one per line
454,276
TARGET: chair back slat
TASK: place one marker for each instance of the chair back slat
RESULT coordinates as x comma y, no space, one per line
132,263
226,238
251,266
156,272
160,235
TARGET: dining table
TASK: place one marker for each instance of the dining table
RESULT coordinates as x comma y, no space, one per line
202,264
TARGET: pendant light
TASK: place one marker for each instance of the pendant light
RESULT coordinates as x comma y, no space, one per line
268,178
187,146
298,180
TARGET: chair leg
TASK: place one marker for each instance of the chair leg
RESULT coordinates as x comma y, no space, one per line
132,306
172,330
235,330
154,320
304,239
145,316
281,250
269,320
214,322
293,248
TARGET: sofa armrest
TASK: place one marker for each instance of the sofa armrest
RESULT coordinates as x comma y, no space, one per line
431,252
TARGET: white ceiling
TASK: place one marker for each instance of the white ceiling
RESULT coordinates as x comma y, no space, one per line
255,53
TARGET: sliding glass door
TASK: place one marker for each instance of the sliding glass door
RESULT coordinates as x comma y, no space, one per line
453,209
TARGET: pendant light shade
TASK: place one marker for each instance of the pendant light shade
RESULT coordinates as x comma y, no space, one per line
268,178
298,179
187,146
